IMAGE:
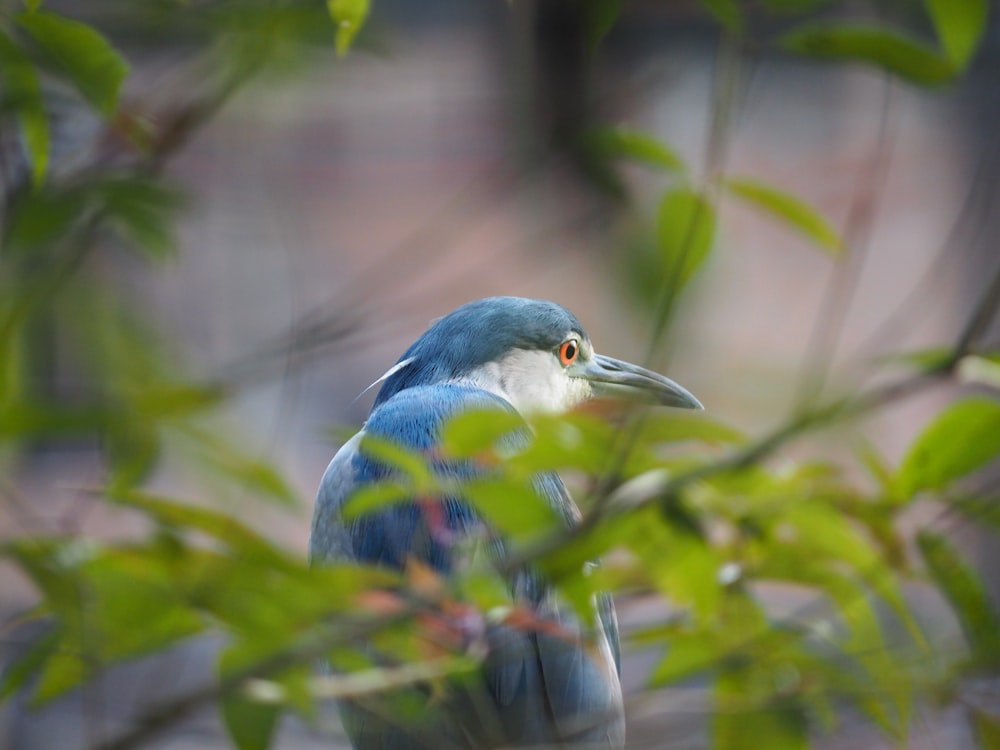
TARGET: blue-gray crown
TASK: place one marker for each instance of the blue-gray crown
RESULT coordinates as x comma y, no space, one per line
477,333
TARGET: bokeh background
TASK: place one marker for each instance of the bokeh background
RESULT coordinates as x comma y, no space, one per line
339,206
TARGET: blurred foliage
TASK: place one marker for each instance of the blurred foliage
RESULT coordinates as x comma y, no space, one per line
681,506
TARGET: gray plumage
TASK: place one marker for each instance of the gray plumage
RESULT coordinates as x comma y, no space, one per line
537,687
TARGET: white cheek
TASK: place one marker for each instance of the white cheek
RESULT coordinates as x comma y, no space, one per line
532,381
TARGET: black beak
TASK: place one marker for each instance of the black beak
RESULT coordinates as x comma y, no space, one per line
617,379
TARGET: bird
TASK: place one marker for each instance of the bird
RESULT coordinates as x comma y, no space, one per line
539,687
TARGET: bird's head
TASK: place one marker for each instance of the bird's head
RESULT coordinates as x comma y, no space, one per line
532,353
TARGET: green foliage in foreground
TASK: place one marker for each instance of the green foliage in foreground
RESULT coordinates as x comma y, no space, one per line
679,506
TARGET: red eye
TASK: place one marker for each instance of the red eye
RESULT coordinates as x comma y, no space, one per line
568,351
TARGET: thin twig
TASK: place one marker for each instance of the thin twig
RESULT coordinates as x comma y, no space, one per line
162,716
840,291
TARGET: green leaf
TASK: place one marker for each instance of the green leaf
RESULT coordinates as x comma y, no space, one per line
793,6
33,5
576,440
250,724
746,707
349,16
987,726
979,510
888,50
967,595
409,462
789,209
980,369
98,594
176,400
625,143
42,217
134,449
374,497
22,90
960,25
27,664
226,529
143,210
962,438
930,360
675,426
727,12
600,17
688,653
62,671
257,475
25,419
685,232
84,55
875,462
470,433
513,508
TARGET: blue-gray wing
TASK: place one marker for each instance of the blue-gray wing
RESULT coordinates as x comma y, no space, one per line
329,538
556,685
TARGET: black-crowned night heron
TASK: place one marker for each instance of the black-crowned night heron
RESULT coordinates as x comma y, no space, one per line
541,687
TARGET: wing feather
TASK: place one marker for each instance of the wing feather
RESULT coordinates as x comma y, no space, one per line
555,686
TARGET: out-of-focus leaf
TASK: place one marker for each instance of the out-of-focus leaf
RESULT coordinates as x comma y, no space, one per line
818,531
138,584
32,420
62,670
987,727
373,497
84,55
97,594
39,218
470,433
250,724
967,595
412,464
689,652
513,508
788,209
685,230
23,92
794,6
745,707
960,25
888,50
257,475
980,369
876,464
962,438
727,12
227,529
134,449
483,587
979,510
175,400
566,441
600,17
33,5
676,560
348,16
924,360
625,143
28,664
676,426
143,210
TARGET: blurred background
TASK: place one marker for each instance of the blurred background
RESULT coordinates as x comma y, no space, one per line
337,206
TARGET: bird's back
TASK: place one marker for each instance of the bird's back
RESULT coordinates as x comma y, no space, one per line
539,687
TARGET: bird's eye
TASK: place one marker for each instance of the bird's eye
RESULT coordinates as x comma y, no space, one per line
568,351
